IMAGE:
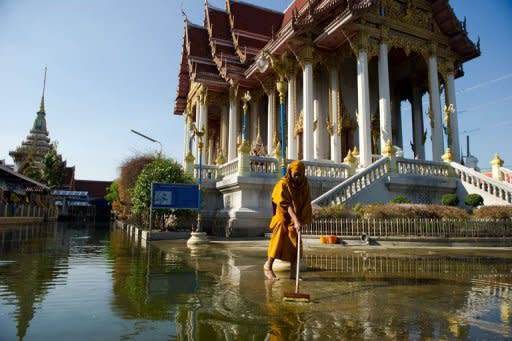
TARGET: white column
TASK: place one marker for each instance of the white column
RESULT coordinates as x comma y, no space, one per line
363,109
417,122
384,97
437,133
198,124
316,117
223,130
307,75
291,144
253,131
203,108
454,123
334,94
233,123
185,137
271,120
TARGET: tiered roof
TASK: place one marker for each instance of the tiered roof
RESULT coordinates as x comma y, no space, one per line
222,52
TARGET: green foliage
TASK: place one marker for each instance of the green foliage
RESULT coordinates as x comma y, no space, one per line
113,192
53,168
474,200
400,200
413,211
160,170
358,210
449,199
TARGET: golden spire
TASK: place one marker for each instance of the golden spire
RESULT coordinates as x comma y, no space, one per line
41,106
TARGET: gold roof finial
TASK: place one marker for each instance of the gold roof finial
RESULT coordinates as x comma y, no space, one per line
41,106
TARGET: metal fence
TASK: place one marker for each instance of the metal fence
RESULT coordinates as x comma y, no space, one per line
410,228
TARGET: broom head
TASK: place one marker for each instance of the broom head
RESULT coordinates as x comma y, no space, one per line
296,297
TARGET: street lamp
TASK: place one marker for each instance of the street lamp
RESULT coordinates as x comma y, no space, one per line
246,99
148,138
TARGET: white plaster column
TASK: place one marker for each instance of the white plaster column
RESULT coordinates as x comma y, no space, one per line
233,124
334,94
271,120
363,109
186,137
454,122
384,97
307,75
203,108
198,125
291,149
253,120
417,122
435,106
223,130
316,117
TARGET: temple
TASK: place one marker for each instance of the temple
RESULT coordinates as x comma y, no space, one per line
323,82
37,143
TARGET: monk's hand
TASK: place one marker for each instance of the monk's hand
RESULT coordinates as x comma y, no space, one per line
297,225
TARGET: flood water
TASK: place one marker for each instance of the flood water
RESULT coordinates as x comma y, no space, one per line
87,282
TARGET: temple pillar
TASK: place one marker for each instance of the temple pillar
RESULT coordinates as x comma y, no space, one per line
186,136
223,130
253,131
334,95
435,108
453,129
292,108
203,113
233,124
363,109
417,123
307,75
271,107
384,97
317,143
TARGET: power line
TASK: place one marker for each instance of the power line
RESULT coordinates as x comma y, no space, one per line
481,85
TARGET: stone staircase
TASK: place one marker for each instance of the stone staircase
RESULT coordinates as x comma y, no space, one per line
419,180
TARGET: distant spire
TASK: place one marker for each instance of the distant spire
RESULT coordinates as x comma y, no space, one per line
41,106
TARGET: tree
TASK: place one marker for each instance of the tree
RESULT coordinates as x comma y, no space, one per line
130,170
112,195
53,168
160,170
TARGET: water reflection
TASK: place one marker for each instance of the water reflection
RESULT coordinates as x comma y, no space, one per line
95,280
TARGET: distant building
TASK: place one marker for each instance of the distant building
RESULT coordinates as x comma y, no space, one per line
37,143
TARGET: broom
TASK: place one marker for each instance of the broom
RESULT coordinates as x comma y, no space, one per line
296,296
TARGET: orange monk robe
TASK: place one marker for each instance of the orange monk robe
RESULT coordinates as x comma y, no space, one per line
283,244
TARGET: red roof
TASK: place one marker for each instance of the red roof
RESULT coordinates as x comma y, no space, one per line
96,189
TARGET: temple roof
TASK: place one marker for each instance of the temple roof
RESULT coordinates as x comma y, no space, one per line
222,51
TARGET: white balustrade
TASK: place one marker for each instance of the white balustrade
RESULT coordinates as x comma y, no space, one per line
500,190
263,166
326,169
209,172
507,175
422,167
354,184
229,168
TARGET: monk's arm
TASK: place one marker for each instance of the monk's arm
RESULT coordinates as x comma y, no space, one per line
296,222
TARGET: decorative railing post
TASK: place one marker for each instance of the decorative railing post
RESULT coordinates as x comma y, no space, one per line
351,162
390,153
496,165
448,158
189,164
220,161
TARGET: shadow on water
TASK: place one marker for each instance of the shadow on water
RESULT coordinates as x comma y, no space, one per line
96,280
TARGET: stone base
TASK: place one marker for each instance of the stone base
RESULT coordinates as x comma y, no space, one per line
198,238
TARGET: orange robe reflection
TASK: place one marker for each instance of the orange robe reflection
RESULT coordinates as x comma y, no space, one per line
283,244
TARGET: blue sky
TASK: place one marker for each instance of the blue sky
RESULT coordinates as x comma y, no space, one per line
113,65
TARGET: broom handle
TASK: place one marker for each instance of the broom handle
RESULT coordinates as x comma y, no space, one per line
298,260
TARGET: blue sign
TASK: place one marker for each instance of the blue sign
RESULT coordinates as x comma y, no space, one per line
174,195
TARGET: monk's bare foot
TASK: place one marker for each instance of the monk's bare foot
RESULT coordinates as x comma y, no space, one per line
269,274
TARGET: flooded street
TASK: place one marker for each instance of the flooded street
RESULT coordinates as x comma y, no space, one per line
83,282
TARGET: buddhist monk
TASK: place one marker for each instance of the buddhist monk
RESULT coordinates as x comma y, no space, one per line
291,207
